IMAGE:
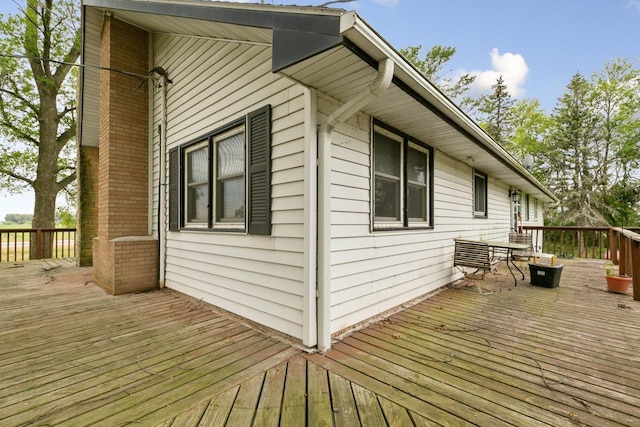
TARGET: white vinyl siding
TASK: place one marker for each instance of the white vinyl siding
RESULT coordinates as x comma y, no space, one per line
257,277
372,272
534,216
91,89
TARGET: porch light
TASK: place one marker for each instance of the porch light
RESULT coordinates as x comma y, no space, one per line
515,196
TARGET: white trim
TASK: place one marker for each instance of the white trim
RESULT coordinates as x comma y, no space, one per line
485,195
309,309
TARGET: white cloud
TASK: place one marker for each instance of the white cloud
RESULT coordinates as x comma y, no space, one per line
511,66
634,4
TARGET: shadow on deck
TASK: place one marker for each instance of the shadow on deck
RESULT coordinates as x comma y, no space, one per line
480,353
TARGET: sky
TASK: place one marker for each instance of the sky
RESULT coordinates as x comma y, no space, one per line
536,45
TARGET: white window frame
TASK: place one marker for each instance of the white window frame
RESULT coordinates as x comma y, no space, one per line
485,196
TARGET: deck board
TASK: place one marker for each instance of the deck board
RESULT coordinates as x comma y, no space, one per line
71,356
270,404
219,407
318,397
295,392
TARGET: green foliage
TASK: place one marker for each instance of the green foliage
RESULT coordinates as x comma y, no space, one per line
38,47
432,68
571,155
66,219
495,113
530,129
18,218
622,200
592,154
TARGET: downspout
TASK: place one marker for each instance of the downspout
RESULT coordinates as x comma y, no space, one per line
162,224
325,133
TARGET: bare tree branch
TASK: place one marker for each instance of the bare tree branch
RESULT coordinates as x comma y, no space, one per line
66,181
12,174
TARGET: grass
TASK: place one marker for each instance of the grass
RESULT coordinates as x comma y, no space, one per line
13,225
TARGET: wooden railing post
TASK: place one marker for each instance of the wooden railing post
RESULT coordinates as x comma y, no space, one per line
613,246
622,266
635,268
629,260
39,244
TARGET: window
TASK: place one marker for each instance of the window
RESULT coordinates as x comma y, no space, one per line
535,209
197,184
221,181
526,208
402,180
479,194
229,193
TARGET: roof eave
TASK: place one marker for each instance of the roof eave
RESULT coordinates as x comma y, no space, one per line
367,39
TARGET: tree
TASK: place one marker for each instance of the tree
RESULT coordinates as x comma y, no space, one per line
432,68
18,218
494,113
616,94
37,102
573,153
530,129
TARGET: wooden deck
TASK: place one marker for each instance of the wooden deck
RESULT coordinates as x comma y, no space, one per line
481,353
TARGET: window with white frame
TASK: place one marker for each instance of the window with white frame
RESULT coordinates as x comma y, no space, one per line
535,209
402,179
479,194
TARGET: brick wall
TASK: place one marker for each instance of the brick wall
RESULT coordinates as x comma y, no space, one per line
123,250
87,203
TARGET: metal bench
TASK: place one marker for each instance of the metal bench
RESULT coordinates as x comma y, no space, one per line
473,254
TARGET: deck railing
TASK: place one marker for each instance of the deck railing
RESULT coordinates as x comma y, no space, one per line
621,246
625,250
21,244
573,242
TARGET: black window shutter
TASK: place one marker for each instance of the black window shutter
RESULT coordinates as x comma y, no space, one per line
174,189
259,171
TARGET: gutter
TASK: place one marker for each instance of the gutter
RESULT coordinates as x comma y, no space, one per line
325,135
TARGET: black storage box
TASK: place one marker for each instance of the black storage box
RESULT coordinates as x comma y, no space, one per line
544,275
